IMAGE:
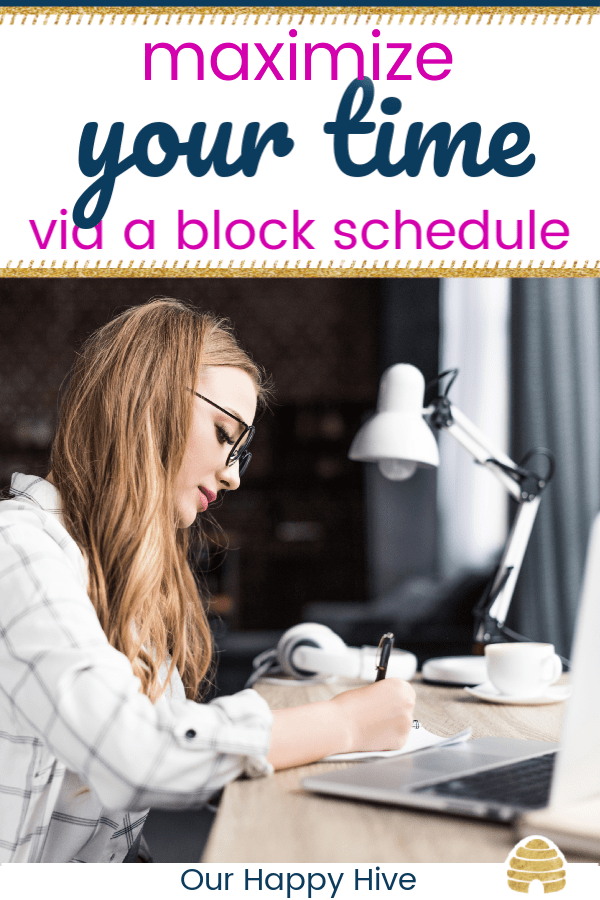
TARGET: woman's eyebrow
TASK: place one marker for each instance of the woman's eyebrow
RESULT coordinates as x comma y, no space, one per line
228,409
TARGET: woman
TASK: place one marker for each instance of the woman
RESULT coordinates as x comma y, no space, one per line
104,644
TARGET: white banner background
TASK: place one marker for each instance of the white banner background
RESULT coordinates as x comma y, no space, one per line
432,881
60,72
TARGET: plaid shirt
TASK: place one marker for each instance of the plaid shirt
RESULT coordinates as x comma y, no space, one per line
83,753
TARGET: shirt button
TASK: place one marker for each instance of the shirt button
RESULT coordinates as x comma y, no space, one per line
190,733
112,856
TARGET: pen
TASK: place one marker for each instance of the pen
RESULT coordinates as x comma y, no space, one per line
385,648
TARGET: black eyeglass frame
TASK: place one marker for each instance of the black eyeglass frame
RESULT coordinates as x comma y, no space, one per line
237,452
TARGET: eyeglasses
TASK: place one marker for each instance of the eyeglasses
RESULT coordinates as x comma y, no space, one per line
239,451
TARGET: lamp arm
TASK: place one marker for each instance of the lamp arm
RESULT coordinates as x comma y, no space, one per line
492,610
474,432
486,459
524,486
447,417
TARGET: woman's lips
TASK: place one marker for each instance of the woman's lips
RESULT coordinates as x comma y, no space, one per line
206,497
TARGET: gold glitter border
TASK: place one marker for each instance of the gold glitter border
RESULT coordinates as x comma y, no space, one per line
326,272
9,15
76,13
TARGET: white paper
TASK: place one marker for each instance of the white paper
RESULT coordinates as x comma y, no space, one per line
418,739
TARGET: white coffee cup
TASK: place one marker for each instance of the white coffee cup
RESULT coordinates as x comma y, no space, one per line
522,670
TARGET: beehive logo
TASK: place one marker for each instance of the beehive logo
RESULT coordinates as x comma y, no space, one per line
536,859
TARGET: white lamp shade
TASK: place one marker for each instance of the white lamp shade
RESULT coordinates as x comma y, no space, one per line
397,436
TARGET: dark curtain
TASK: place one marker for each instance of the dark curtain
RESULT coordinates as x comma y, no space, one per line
555,336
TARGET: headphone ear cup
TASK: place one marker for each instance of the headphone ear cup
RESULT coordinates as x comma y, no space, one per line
309,634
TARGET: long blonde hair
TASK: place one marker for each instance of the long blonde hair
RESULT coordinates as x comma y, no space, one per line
123,427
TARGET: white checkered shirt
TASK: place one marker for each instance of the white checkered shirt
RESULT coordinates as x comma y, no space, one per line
83,753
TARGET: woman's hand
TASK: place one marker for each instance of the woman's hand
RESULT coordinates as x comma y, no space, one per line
376,717
380,714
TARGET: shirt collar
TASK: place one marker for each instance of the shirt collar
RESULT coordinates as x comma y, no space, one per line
40,491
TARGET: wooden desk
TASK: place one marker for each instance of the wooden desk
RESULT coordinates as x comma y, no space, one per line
274,820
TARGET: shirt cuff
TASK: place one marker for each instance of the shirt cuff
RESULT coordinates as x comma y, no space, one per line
258,767
257,723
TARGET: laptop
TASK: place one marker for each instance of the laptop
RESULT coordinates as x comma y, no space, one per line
501,778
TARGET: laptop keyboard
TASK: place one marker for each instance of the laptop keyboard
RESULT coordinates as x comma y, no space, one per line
523,784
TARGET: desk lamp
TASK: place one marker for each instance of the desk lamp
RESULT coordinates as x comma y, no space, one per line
399,438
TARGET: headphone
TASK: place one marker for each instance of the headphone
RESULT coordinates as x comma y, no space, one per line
309,650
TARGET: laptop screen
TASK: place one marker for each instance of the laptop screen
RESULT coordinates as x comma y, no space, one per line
577,772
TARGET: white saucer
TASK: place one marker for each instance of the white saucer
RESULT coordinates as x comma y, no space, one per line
487,691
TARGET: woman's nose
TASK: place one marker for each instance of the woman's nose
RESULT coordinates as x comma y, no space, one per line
229,477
